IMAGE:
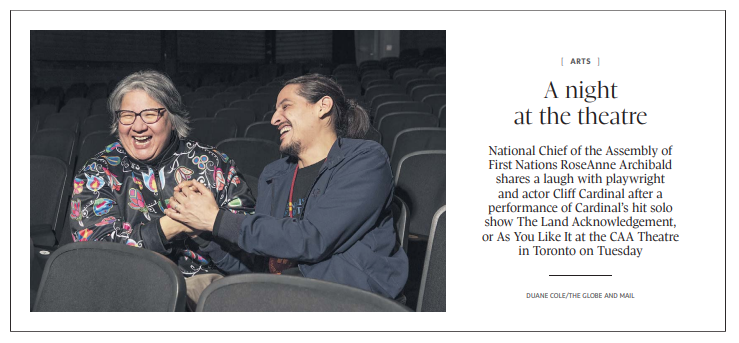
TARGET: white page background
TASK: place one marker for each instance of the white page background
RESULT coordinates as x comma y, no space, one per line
666,64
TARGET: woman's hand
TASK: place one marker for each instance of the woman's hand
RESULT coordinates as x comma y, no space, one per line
171,228
193,205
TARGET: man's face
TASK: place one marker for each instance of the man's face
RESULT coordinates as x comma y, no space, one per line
296,119
143,141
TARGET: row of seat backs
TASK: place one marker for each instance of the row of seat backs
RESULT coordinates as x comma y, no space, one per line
387,103
402,78
431,290
57,96
242,116
417,92
432,293
52,176
254,153
389,64
61,143
407,166
406,79
49,189
220,133
252,110
240,122
80,108
245,111
187,81
260,103
263,74
420,181
151,282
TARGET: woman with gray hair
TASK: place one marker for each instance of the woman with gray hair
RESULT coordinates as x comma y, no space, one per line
120,194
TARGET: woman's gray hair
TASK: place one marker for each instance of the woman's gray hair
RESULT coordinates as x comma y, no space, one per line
160,88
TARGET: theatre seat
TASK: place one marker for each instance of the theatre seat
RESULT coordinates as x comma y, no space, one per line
78,106
432,296
59,143
227,97
109,277
416,139
265,101
67,121
373,135
49,189
392,123
401,106
263,130
202,108
442,116
242,116
436,101
95,123
92,143
210,131
251,154
400,219
419,92
282,293
421,182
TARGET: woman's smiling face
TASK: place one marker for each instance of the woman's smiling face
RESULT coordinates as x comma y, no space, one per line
143,141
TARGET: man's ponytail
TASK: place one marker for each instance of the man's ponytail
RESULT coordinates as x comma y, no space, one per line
350,120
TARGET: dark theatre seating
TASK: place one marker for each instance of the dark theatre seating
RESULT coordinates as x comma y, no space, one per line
416,139
210,131
405,97
242,116
282,293
251,154
421,182
432,296
263,130
49,191
59,143
103,276
400,106
392,123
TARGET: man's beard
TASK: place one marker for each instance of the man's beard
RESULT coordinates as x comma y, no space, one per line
292,149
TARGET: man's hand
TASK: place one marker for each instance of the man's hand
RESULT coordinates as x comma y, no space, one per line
193,205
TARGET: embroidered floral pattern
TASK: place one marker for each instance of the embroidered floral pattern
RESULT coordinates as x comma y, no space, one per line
195,256
113,161
112,146
182,174
83,235
220,181
115,198
106,221
112,180
127,227
137,181
77,186
150,181
75,212
102,206
94,183
200,161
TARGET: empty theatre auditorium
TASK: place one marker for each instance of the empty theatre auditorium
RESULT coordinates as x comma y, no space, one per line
166,166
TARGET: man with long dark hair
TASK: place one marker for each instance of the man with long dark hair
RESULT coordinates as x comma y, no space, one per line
323,212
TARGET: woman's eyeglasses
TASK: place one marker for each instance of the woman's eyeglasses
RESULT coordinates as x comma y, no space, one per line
149,116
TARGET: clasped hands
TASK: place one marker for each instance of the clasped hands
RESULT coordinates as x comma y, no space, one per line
192,210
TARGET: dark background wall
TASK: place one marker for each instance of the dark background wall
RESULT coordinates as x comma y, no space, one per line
62,58
422,40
